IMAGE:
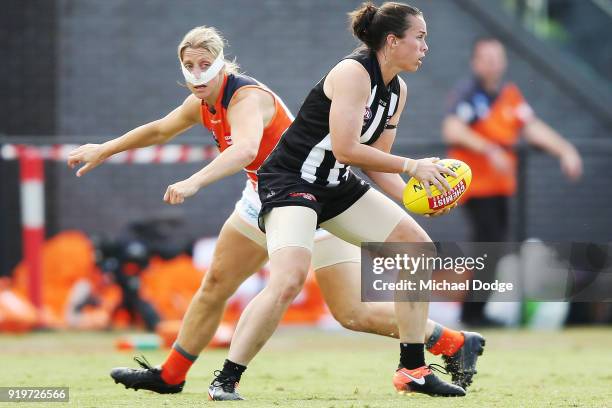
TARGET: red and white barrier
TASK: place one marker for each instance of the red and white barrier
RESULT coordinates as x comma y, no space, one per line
31,164
32,218
171,153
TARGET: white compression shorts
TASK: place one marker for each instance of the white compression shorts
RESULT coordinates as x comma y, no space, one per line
291,226
328,249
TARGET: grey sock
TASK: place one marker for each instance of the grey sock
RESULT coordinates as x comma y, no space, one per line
185,354
435,336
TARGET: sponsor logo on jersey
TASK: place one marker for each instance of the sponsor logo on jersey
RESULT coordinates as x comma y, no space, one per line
306,196
368,113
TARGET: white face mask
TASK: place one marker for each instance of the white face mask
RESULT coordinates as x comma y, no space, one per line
205,76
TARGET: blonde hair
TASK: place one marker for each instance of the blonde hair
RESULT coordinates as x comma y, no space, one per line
207,38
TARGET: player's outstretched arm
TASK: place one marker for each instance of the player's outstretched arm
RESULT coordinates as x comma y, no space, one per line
246,117
152,133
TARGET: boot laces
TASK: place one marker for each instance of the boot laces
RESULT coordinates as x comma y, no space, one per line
143,362
438,368
227,383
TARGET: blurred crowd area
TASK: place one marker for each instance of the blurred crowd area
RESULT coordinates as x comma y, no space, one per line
87,71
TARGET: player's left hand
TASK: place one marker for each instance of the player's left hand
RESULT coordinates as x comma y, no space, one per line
441,212
177,193
571,164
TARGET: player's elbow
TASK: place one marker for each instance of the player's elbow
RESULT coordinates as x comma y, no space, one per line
162,137
159,134
343,159
344,154
248,152
250,155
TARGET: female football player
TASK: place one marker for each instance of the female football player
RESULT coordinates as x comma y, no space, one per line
347,119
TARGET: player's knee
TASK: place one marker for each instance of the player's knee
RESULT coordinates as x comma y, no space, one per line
288,293
291,286
407,234
408,231
290,290
214,288
352,319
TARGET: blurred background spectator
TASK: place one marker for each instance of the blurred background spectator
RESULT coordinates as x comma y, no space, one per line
485,118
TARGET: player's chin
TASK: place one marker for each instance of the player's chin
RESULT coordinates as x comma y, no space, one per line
413,67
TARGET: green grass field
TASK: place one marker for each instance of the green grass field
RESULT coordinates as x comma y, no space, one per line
307,368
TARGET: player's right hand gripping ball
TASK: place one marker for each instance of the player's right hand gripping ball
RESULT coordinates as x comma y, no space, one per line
415,196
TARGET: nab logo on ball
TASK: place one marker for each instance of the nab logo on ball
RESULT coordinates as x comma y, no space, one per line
415,197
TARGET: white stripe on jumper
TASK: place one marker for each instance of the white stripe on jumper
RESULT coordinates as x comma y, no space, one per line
372,95
334,174
314,159
317,153
392,104
373,126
